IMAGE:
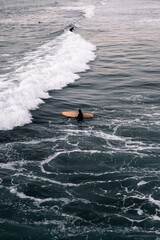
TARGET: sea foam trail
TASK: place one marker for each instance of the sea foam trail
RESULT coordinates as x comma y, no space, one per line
52,66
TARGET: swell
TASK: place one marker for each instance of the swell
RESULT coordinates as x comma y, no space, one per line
53,66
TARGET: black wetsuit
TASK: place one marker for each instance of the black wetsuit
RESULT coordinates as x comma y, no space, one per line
71,29
80,116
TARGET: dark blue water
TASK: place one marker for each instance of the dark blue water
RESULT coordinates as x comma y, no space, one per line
61,180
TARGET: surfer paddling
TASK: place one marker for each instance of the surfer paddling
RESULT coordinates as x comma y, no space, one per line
80,116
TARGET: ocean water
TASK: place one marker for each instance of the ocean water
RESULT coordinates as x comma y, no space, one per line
64,181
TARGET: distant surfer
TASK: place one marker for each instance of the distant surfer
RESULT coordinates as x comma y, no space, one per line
71,29
80,116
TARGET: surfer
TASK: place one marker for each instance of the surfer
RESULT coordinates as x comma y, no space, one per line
71,29
80,116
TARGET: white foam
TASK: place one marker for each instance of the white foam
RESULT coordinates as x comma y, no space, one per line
52,66
87,10
156,202
48,180
98,134
8,166
21,195
140,212
14,166
155,218
54,156
141,183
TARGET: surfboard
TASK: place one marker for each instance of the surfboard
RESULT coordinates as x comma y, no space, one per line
74,114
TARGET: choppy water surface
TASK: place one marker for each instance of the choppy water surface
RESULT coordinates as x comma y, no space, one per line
61,180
